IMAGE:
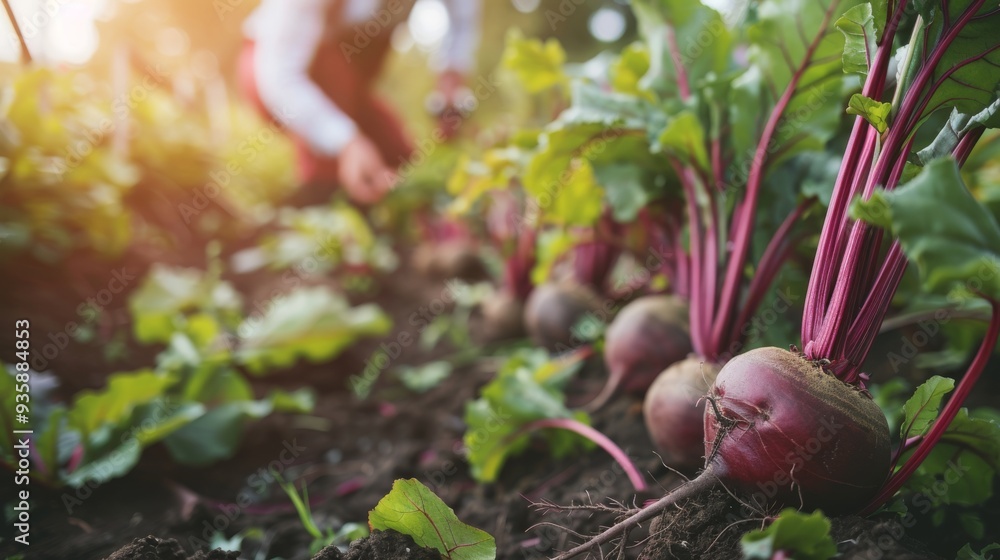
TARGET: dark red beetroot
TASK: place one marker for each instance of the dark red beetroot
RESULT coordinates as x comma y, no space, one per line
647,336
503,317
789,434
554,308
792,434
674,409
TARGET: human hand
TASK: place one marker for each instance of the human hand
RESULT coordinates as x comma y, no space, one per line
363,173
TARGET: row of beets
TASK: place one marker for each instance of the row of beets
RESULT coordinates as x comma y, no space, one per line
739,417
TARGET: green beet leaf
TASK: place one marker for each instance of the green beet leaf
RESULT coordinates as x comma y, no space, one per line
952,238
800,536
875,112
969,70
791,38
958,125
166,294
626,73
112,452
538,65
962,466
114,404
684,138
701,36
626,187
861,36
591,104
528,387
312,323
923,407
412,509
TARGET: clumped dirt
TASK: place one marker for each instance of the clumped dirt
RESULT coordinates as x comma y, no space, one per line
383,545
711,525
152,548
884,539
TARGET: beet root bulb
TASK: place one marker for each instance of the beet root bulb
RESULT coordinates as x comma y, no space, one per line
788,433
674,411
647,336
553,309
503,317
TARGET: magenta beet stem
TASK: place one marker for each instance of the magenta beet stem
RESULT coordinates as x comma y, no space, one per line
942,422
603,441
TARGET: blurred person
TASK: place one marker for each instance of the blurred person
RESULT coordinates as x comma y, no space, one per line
310,65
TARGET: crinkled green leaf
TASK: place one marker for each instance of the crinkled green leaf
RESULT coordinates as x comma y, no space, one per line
538,65
412,509
591,104
114,404
923,407
167,293
299,401
115,456
970,67
797,535
528,387
952,238
158,420
313,323
875,112
701,35
626,189
627,71
112,465
321,238
215,435
858,27
424,377
963,464
473,181
958,125
579,201
789,38
684,138
563,150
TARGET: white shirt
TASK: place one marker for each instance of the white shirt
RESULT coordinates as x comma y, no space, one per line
288,34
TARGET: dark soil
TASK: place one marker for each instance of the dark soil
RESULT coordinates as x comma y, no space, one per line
381,545
711,525
152,548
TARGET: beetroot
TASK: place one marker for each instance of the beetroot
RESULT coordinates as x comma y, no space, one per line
674,408
452,258
784,429
503,317
554,308
647,336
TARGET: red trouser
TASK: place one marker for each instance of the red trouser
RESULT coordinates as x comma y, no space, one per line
349,86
